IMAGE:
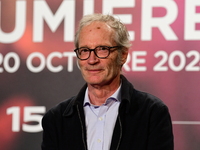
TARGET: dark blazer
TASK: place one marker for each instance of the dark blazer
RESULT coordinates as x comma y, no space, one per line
143,123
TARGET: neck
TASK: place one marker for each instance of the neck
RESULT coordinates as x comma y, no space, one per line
98,94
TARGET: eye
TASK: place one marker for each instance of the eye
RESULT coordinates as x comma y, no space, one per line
103,48
83,50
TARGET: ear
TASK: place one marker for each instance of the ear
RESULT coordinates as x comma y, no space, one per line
124,55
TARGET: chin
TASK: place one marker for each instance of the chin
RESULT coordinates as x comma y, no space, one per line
93,80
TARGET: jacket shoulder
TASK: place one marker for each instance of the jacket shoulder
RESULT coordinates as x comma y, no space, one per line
149,100
60,109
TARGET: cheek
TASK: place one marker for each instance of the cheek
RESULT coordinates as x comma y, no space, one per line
80,65
114,66
119,59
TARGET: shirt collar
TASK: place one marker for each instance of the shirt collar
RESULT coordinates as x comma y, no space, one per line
115,97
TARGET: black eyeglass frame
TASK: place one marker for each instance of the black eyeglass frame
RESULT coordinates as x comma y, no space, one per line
90,50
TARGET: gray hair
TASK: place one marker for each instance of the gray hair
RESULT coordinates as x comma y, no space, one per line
121,36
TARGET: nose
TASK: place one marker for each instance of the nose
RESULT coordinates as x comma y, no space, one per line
93,59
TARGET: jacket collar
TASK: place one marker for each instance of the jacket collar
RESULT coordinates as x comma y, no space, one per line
126,96
75,101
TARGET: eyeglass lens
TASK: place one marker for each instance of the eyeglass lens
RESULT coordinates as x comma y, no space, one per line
100,51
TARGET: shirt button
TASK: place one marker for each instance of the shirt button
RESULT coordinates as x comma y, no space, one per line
99,141
100,118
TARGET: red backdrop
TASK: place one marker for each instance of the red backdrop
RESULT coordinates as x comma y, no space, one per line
38,66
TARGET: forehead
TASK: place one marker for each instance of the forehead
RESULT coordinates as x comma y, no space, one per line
95,33
97,25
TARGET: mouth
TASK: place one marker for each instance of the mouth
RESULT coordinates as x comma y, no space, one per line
94,70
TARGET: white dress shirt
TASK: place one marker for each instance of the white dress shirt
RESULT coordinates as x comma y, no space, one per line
100,121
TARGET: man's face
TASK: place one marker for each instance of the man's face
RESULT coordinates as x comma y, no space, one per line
98,71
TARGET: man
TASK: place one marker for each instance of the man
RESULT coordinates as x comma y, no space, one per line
108,113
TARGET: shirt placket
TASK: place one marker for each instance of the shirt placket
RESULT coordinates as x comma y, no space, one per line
100,127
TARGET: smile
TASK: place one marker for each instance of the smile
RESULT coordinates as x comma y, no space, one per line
94,70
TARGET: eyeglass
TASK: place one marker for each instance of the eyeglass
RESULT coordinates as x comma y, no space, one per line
102,52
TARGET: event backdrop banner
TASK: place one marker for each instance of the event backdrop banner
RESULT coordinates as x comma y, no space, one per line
38,66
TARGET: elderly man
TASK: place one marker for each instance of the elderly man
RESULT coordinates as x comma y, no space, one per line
107,113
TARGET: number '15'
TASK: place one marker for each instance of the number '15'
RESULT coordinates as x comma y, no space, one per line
31,114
